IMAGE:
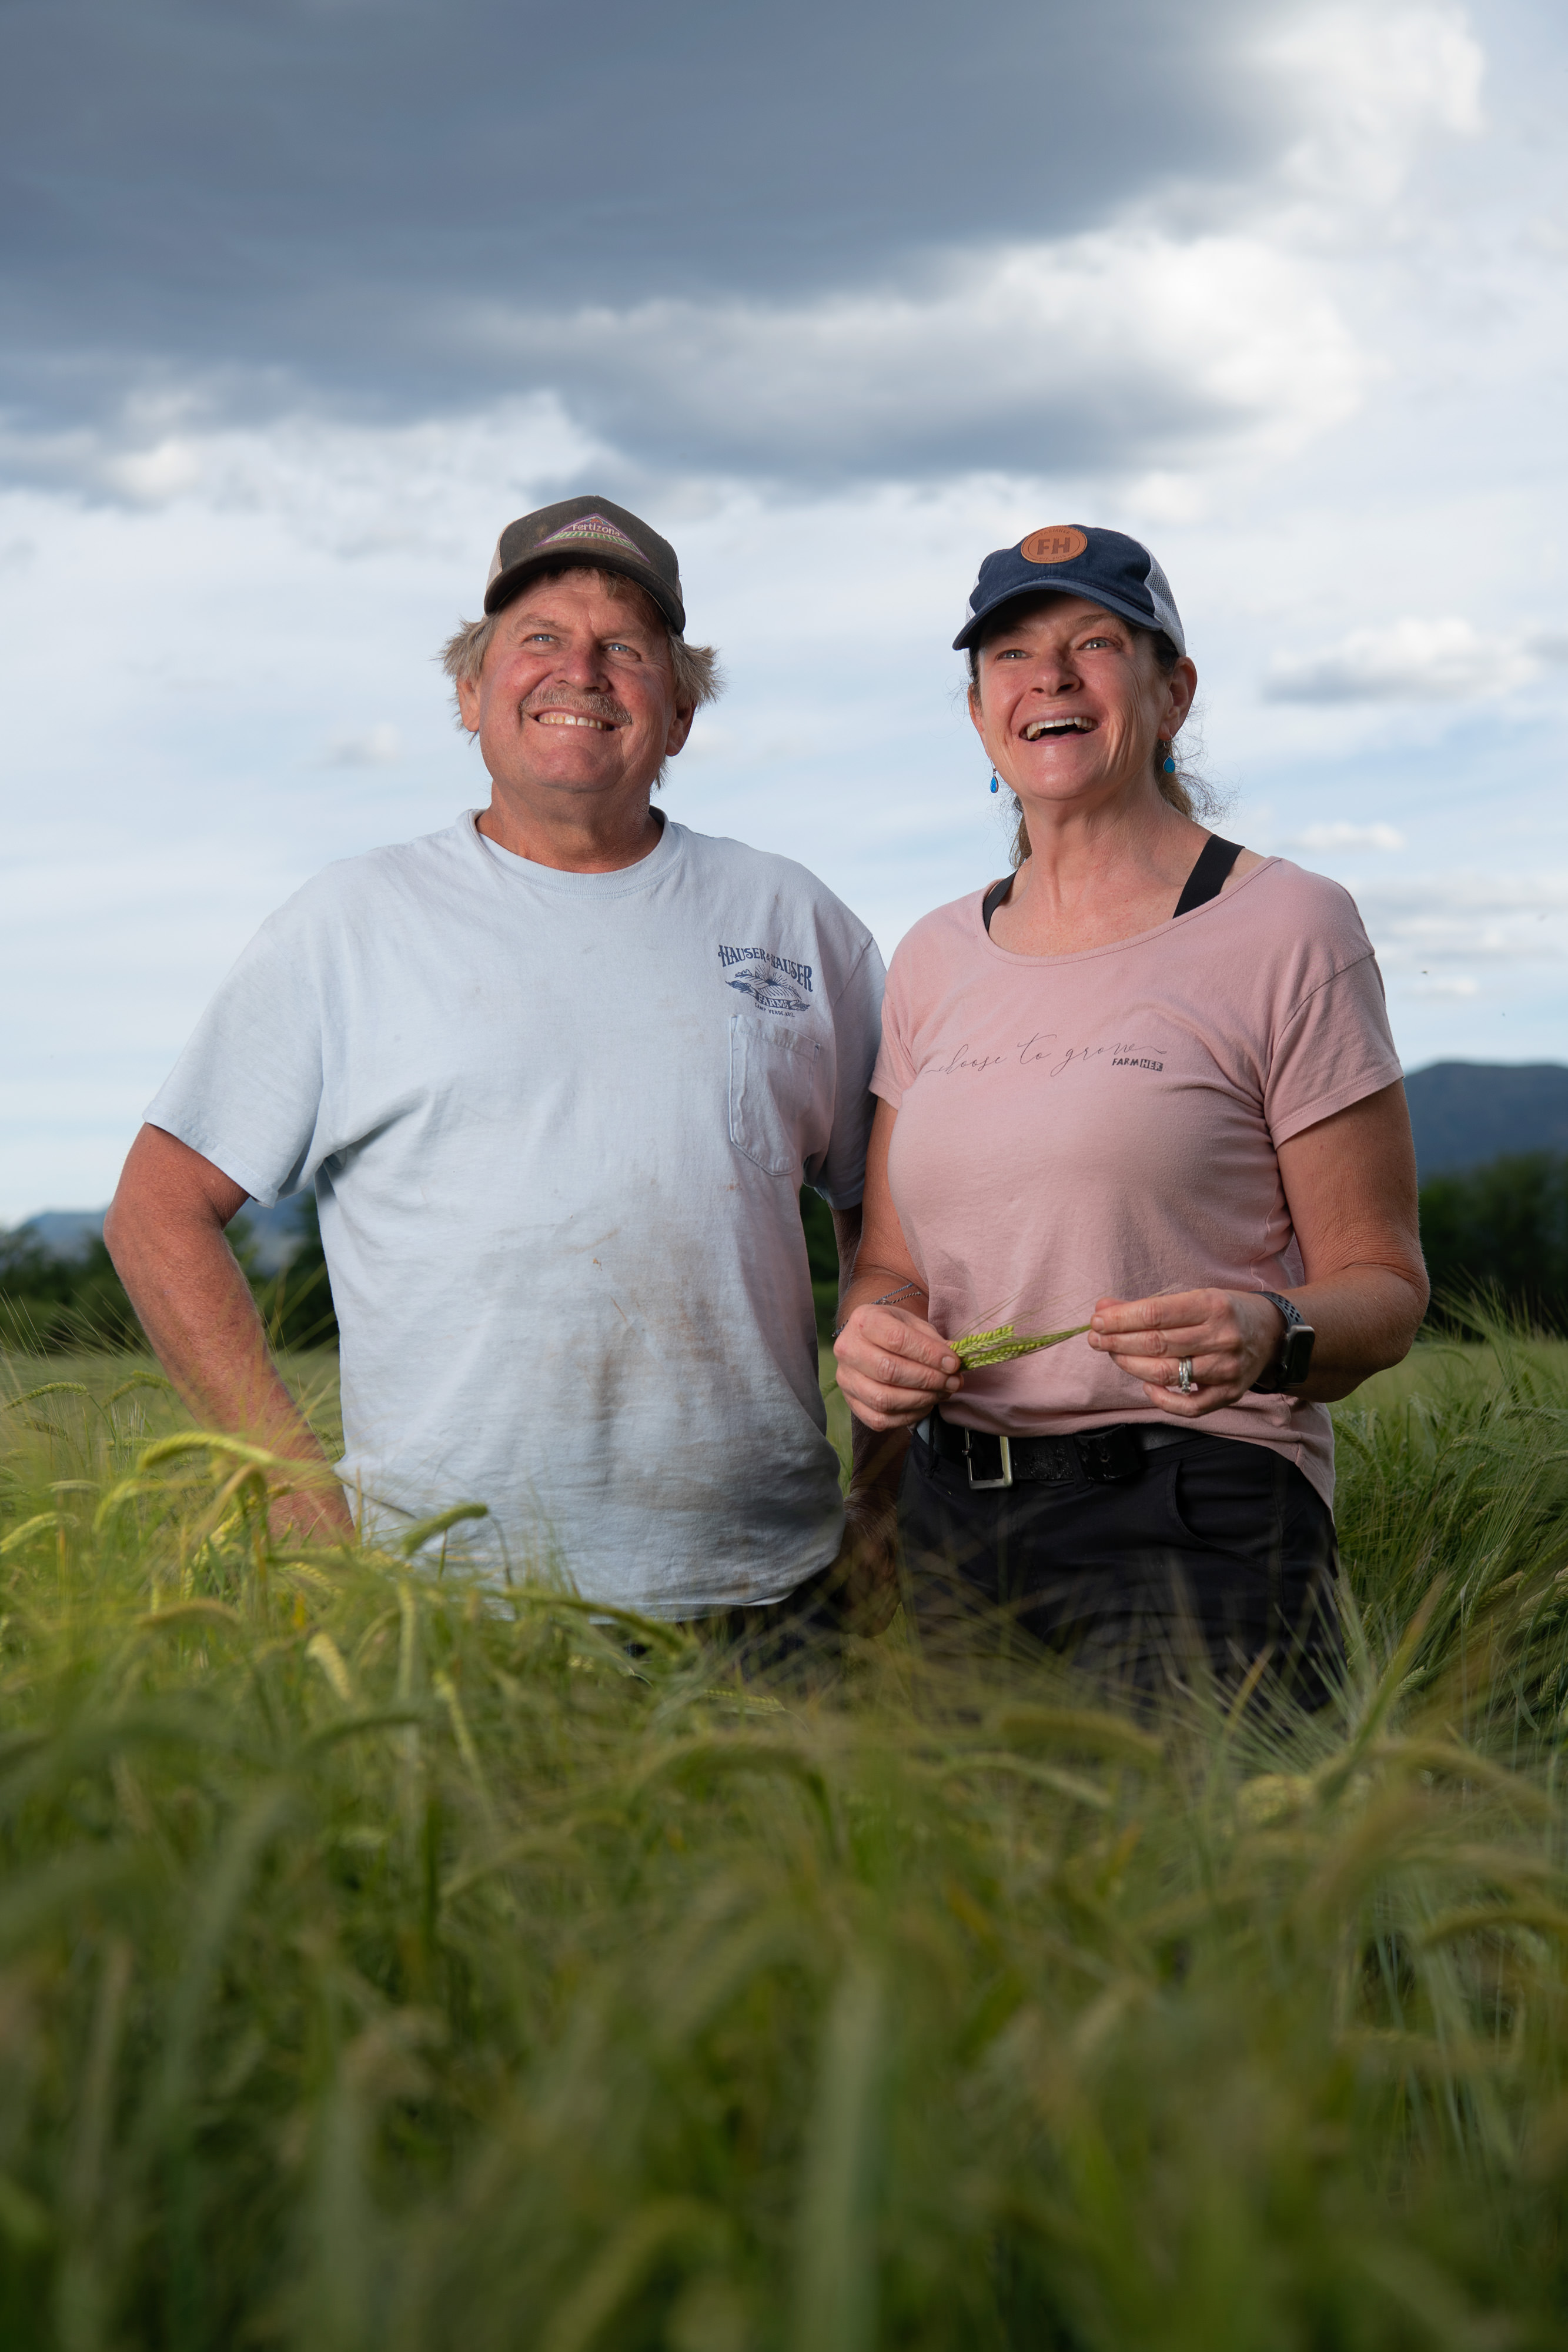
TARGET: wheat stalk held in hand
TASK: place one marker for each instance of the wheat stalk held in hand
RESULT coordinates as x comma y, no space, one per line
1000,1346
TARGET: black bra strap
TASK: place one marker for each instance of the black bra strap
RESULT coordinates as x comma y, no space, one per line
1206,880
993,898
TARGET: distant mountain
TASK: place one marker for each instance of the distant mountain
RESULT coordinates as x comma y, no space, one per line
66,1233
1465,1113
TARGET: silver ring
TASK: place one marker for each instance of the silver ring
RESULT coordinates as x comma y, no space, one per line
1185,1380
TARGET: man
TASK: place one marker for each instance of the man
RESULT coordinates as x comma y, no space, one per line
555,1075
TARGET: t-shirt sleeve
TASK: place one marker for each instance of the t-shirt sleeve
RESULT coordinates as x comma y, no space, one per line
895,1071
838,1174
1333,1049
247,1092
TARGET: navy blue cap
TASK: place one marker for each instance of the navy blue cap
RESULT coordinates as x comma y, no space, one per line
1064,558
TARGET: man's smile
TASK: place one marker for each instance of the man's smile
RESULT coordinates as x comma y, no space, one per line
572,718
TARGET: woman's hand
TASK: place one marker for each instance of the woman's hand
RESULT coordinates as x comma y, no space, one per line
892,1367
1231,1335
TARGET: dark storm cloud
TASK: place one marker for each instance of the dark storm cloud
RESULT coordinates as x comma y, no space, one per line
389,210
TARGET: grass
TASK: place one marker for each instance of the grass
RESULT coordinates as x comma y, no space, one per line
385,1963
1476,1367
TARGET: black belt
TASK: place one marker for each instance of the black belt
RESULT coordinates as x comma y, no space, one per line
1108,1457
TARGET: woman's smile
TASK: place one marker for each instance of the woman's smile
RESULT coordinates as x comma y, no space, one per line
1038,728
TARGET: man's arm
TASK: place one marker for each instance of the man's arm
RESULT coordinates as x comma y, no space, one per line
164,1231
870,1549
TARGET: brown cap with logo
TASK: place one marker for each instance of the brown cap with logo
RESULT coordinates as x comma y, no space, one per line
590,532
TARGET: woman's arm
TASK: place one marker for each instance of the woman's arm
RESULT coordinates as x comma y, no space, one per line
1349,1186
867,1562
892,1367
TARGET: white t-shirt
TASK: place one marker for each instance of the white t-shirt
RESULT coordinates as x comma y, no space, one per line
556,1123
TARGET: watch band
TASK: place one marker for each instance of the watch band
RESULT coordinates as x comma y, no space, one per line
1293,1362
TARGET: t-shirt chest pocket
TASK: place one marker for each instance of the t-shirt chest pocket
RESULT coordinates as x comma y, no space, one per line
775,1074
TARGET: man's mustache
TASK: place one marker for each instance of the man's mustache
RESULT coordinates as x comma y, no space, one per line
586,705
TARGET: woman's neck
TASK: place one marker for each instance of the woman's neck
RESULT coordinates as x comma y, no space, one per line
1096,876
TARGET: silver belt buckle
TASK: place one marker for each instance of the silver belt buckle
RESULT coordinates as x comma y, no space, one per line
978,1484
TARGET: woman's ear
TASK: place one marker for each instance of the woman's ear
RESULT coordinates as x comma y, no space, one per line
1182,686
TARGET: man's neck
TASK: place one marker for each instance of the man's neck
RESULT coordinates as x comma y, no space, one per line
599,841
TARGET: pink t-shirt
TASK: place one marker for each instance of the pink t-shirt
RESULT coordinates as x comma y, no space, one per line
1107,1125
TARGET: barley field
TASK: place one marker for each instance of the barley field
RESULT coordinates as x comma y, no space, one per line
387,1962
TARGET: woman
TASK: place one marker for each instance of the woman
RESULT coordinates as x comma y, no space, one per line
1144,1084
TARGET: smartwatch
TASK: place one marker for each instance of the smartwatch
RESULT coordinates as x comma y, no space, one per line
1294,1362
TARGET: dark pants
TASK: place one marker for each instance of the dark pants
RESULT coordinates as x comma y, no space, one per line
1218,1553
799,1640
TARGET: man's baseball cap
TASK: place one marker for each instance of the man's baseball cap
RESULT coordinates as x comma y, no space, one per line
1106,566
586,531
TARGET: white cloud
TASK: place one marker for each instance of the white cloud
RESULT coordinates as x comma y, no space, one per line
1127,344
1375,84
151,476
1343,836
1130,351
378,747
1448,659
1468,918
352,488
1203,323
1199,322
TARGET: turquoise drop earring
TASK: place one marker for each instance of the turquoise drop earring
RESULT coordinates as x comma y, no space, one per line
994,786
1167,764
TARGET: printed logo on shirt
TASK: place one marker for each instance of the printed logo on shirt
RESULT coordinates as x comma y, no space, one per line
775,984
1045,1052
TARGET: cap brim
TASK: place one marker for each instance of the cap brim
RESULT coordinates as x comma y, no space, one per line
506,584
967,634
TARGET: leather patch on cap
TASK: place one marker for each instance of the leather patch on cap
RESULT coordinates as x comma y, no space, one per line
1058,543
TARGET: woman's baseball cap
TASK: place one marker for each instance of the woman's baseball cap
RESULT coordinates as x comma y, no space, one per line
1065,558
586,531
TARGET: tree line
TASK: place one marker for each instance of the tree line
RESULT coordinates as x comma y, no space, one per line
1498,1232
1501,1232
51,1305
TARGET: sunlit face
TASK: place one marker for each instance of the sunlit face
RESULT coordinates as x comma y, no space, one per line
1071,701
577,694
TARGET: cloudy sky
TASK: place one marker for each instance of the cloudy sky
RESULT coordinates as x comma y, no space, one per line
303,298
